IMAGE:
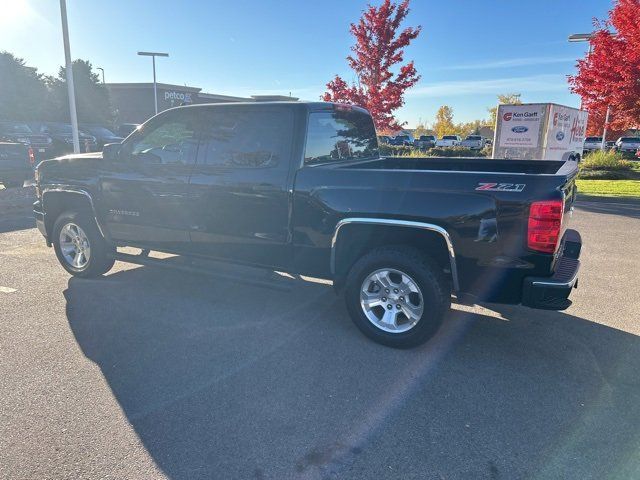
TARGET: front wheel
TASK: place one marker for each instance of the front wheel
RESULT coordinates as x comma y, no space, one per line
397,296
80,247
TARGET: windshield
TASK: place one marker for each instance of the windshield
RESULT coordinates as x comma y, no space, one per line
449,137
630,139
474,137
59,128
427,137
101,131
402,137
15,127
340,136
593,139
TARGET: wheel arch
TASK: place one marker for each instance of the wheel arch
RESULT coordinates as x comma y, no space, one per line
369,233
56,200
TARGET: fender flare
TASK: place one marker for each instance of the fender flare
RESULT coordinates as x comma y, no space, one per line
398,223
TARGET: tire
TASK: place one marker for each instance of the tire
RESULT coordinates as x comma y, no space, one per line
97,258
433,288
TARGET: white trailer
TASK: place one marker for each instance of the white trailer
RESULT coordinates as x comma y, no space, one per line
539,131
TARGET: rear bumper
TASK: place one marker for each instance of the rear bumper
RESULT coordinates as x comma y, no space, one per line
552,293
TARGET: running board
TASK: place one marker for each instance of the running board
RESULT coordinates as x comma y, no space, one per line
269,279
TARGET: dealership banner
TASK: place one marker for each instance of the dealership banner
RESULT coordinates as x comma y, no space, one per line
566,128
520,125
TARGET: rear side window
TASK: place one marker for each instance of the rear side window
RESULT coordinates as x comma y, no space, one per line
340,136
247,137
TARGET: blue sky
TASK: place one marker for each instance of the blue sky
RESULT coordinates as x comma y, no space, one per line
468,52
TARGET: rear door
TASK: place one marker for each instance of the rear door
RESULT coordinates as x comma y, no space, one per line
240,185
145,192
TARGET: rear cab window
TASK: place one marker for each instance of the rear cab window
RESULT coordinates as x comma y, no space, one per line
340,135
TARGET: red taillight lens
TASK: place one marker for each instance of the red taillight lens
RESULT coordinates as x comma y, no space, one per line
545,223
32,156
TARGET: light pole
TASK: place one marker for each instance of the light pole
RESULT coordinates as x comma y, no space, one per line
69,70
102,70
586,37
582,37
153,55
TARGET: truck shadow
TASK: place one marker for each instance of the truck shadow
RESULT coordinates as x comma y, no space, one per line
224,380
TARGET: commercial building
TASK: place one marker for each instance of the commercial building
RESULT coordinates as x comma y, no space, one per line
134,102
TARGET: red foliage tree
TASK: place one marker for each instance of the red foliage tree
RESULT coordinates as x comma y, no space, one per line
379,46
610,76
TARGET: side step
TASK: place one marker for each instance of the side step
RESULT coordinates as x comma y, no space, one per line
246,275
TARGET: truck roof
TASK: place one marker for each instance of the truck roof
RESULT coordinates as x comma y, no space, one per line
311,106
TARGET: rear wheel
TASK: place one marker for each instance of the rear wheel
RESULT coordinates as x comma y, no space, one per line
79,245
397,296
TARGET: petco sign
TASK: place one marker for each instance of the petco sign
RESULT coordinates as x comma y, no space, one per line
173,96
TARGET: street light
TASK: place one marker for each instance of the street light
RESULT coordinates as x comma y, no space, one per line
102,70
153,55
69,70
586,37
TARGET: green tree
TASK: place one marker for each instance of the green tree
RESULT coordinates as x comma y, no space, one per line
444,121
505,99
92,97
24,91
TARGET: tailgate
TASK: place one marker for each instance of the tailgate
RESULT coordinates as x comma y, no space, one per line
14,157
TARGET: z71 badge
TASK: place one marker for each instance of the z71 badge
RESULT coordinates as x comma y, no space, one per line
501,187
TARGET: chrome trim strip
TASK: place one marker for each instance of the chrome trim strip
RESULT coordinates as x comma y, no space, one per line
399,223
568,284
71,189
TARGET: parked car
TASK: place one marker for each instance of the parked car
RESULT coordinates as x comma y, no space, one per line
308,193
102,134
21,133
400,140
591,144
16,163
125,129
449,141
425,141
62,137
384,139
627,144
610,144
474,142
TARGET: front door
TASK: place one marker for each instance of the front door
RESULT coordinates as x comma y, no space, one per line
145,191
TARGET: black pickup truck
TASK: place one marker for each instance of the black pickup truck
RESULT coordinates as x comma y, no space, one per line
300,188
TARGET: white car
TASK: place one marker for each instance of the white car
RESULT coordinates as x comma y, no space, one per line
628,144
592,143
449,141
474,142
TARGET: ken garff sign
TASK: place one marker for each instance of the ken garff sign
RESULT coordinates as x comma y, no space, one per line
180,96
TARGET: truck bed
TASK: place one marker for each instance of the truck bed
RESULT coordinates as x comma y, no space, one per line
531,167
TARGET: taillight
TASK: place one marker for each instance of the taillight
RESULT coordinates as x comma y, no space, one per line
32,156
545,224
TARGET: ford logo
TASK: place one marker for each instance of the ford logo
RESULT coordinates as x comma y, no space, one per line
559,135
519,129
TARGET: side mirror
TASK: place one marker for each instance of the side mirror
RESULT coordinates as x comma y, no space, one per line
111,152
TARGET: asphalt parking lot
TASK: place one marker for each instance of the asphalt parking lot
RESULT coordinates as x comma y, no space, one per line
151,373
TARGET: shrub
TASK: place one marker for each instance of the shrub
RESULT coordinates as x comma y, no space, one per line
605,160
387,150
454,152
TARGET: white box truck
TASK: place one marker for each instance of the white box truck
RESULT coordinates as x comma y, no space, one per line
539,131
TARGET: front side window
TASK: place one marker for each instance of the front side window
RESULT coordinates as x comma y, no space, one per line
247,137
340,136
169,140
